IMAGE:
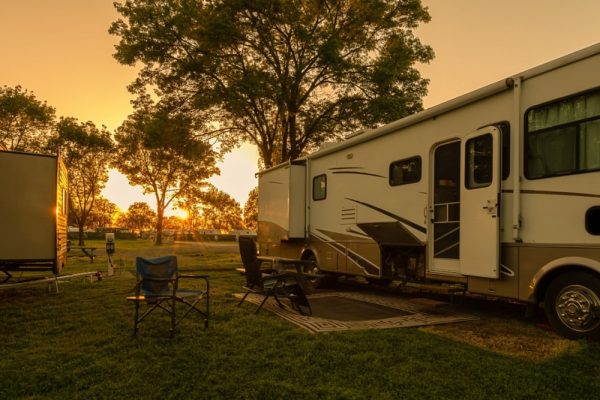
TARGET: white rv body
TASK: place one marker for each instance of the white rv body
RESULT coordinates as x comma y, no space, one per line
497,190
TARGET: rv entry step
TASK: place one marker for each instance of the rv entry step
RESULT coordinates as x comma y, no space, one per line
441,288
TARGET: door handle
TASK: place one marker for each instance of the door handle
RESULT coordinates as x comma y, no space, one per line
491,207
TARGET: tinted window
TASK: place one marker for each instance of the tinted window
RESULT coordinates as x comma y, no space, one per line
504,128
479,158
320,187
563,137
592,220
405,171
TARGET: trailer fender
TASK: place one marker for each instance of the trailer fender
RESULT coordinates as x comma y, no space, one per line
580,263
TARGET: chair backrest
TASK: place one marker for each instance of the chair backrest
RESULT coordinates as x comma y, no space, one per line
155,273
250,261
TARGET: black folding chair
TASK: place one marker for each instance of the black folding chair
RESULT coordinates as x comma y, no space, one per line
269,281
158,286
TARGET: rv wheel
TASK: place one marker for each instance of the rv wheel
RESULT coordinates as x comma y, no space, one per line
323,280
572,305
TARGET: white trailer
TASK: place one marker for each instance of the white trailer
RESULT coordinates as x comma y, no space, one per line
497,191
33,212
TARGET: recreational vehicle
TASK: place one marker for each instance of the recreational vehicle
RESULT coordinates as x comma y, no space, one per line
496,192
33,212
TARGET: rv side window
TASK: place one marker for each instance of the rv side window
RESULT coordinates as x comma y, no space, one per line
320,187
405,171
479,161
505,150
592,220
563,137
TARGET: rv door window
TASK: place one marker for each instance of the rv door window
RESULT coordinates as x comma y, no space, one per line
563,137
480,162
405,171
320,187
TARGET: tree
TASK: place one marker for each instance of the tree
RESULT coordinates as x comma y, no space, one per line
211,208
25,122
220,211
191,201
139,217
286,75
87,152
102,214
251,210
157,149
173,223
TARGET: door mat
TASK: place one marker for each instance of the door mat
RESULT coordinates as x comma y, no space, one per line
341,311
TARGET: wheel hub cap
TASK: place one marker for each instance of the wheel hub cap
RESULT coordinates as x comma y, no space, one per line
577,307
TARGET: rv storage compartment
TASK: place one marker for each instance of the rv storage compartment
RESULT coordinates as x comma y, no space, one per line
281,203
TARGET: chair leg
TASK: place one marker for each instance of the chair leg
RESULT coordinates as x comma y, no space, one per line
136,318
246,295
173,315
279,303
207,304
267,294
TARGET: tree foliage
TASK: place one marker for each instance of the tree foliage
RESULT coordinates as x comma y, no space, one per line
25,121
87,152
251,210
210,208
286,75
220,211
102,214
157,149
139,217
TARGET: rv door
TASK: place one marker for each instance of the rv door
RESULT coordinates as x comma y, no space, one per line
479,206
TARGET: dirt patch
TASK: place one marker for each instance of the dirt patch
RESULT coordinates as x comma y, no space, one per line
501,326
524,340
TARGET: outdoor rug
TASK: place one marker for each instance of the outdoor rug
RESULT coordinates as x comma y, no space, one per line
340,311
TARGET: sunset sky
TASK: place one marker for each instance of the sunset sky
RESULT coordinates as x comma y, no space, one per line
61,51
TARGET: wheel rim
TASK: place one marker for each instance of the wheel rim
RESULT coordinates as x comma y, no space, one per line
577,307
312,269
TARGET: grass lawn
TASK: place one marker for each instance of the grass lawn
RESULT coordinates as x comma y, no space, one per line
78,344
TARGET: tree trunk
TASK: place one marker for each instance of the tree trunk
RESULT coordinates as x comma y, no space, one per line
159,224
81,239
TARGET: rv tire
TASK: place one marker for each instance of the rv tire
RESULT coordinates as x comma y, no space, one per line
324,280
572,305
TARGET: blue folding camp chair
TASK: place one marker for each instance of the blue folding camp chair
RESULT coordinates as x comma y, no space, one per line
158,286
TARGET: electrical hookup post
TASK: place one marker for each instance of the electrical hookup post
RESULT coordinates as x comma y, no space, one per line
110,250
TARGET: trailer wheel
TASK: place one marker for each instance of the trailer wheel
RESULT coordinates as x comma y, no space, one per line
572,305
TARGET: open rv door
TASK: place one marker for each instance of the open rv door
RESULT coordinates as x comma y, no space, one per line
479,206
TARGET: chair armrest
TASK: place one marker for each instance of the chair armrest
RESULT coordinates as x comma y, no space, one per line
157,279
282,275
193,276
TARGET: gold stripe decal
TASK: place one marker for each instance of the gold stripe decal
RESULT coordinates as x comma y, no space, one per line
552,193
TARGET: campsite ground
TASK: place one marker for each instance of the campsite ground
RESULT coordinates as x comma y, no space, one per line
78,344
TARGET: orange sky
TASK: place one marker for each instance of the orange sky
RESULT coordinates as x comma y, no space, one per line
60,50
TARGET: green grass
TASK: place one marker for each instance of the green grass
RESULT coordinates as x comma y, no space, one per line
78,344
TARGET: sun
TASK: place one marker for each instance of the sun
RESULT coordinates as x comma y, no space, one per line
181,213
